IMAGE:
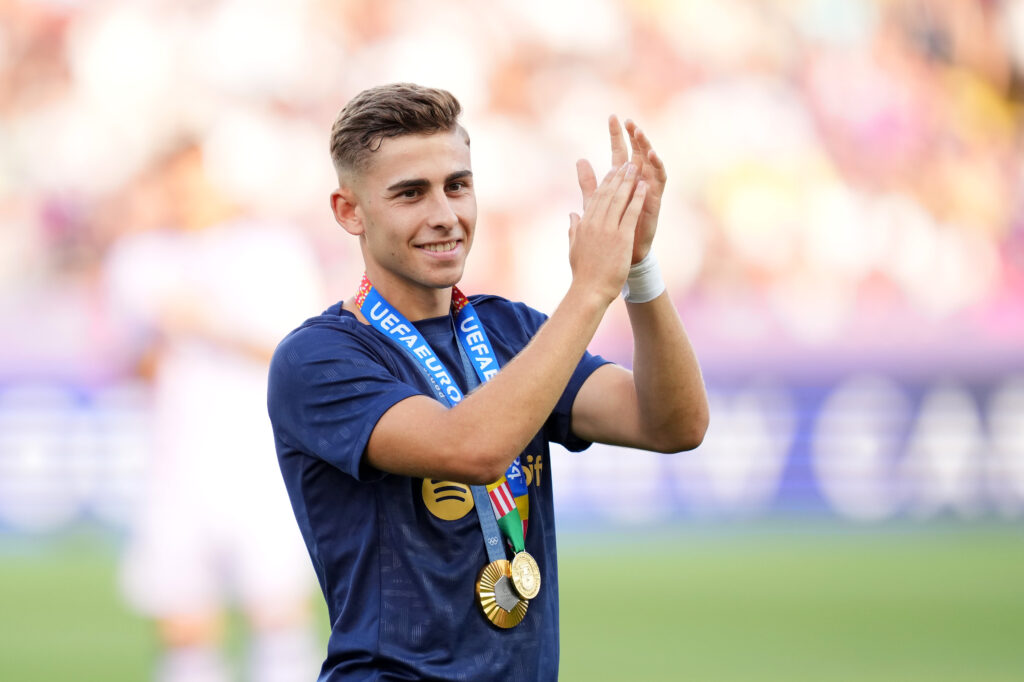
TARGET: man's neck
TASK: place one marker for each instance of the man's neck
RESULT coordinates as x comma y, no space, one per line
421,304
415,303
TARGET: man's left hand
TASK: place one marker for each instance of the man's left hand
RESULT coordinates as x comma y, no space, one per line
652,171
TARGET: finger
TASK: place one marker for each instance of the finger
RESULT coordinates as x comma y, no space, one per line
652,157
606,194
639,155
607,181
597,207
631,216
587,178
620,154
624,191
574,223
658,165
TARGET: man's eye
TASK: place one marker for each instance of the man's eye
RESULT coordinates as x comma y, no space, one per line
410,194
456,186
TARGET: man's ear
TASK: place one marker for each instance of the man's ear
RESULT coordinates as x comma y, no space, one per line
343,205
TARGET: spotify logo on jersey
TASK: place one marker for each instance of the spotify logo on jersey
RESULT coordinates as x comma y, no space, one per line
447,500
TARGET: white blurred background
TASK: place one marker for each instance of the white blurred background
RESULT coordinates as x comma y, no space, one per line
843,235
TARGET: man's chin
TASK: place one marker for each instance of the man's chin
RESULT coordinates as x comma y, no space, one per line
447,281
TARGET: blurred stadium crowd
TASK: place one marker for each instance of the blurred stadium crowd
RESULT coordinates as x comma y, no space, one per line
845,183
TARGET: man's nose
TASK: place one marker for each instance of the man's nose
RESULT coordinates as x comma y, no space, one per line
442,214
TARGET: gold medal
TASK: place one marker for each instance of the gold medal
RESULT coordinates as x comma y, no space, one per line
498,597
525,575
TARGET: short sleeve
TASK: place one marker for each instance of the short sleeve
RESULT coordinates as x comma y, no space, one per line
327,390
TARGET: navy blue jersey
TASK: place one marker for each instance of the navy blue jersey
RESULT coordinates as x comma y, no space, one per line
398,557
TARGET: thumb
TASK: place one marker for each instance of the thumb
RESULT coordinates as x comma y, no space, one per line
574,222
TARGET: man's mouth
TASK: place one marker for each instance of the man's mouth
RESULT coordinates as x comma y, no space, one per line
441,247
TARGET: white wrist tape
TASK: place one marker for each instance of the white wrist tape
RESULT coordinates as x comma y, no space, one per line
644,282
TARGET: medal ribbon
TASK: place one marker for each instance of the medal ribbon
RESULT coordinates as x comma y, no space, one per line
508,496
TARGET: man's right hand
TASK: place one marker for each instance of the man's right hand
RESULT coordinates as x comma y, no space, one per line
601,240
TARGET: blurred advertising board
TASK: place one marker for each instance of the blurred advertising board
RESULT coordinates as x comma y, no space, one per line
865,447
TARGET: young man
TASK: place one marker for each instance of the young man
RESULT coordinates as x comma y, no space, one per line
415,467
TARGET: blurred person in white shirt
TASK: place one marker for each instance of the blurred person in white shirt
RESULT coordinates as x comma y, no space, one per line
209,291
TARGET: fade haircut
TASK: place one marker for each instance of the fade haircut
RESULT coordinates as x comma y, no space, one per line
388,111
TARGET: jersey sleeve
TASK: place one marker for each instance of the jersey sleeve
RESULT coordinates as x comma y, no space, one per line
327,390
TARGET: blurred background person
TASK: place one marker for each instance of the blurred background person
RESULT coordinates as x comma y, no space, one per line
206,290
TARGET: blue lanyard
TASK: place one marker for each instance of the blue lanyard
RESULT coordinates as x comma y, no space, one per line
475,350
392,324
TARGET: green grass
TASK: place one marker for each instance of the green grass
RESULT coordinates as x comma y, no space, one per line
61,617
764,602
906,604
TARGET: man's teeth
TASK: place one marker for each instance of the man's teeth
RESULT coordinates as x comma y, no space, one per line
444,246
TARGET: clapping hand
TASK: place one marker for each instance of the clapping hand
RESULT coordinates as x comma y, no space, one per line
651,171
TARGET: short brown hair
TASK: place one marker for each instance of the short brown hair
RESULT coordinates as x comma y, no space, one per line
388,111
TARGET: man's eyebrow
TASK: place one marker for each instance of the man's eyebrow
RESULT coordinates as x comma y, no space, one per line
458,175
409,184
423,182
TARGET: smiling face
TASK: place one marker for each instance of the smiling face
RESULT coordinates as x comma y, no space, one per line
414,210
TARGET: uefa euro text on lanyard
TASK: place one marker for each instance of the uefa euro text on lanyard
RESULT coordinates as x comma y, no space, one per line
503,588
